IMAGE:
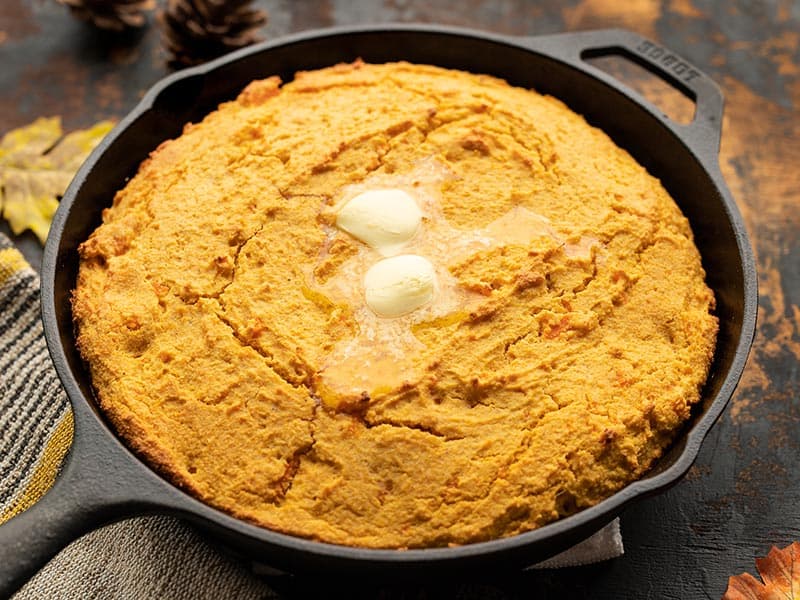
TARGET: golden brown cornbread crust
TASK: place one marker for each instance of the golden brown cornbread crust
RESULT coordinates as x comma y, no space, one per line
204,337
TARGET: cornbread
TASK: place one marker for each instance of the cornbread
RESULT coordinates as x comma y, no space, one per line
563,333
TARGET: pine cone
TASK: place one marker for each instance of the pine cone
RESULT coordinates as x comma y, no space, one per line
198,30
114,15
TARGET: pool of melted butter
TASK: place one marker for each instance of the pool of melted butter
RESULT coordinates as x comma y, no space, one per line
385,354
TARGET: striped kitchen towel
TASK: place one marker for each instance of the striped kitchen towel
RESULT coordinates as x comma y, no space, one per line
35,419
144,557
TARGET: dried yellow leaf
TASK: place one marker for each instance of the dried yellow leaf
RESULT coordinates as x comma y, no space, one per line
37,162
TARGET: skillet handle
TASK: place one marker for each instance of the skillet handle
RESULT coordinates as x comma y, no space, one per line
96,486
703,132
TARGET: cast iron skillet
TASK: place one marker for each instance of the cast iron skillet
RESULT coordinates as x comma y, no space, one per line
103,481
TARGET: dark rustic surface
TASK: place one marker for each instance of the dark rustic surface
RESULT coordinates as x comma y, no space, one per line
741,497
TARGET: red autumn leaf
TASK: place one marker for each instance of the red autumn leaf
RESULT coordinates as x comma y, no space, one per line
780,572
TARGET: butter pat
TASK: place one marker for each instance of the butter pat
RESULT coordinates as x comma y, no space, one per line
399,285
382,219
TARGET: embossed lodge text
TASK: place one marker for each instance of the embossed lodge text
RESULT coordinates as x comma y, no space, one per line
674,64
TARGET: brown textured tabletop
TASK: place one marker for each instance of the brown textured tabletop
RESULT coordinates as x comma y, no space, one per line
741,496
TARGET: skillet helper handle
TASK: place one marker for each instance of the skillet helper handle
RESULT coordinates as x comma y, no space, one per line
95,487
703,132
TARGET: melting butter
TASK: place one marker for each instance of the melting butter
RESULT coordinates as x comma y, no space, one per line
384,219
399,285
385,353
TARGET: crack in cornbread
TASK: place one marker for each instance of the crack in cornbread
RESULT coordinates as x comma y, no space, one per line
213,312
